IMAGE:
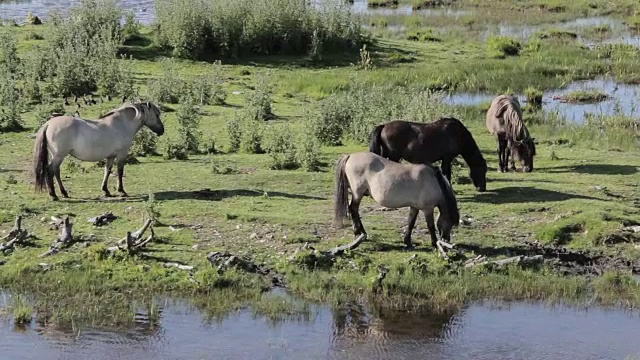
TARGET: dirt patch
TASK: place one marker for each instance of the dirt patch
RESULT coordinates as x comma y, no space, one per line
563,260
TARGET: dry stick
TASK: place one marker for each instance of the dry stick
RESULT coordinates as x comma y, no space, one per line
339,250
512,260
16,236
65,239
131,243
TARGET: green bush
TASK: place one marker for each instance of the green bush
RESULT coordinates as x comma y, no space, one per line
534,96
198,29
189,125
281,147
44,111
259,101
167,87
235,133
175,150
502,46
251,131
145,143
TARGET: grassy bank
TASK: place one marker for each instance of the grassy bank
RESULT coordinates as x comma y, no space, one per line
227,196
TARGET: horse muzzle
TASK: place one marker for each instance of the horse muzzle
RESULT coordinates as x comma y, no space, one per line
159,131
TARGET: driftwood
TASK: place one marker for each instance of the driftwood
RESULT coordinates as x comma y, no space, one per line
133,242
17,236
179,266
382,274
225,260
56,222
64,241
339,250
480,260
103,219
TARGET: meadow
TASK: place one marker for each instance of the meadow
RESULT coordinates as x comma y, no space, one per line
255,120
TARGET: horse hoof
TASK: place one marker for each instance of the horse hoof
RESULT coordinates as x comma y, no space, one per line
55,198
124,194
108,195
65,195
409,247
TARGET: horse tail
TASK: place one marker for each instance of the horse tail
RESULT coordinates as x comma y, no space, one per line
375,145
340,200
41,159
451,204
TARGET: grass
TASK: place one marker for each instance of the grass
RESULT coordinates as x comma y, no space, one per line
267,214
585,96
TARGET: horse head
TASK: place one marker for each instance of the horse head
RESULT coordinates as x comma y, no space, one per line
152,118
478,175
525,150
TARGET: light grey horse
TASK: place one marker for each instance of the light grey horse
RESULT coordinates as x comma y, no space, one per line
110,138
506,123
395,185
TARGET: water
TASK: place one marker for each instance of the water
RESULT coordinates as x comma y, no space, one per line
623,100
18,10
478,331
361,7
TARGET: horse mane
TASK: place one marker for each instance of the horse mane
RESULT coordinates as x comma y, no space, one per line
451,204
471,154
511,111
140,108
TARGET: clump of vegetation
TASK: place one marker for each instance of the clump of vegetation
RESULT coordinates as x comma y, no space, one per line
423,35
175,150
167,87
21,310
633,23
145,143
534,97
281,147
503,46
259,101
251,131
189,125
44,111
560,34
235,132
207,89
151,209
584,96
382,3
203,28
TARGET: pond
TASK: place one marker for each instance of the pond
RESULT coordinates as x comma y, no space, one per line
623,100
18,10
478,331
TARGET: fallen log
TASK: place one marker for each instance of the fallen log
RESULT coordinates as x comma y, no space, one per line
225,260
179,266
339,250
16,236
103,219
65,239
134,242
521,260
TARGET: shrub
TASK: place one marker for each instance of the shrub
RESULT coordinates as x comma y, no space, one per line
189,122
201,28
281,147
534,96
207,89
145,143
44,111
175,150
308,145
235,133
167,87
502,46
259,101
251,131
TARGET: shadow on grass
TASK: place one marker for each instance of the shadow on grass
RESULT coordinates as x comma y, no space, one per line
595,169
11,170
525,194
217,195
102,199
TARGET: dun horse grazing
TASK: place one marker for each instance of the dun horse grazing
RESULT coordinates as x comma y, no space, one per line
394,185
505,123
419,143
108,138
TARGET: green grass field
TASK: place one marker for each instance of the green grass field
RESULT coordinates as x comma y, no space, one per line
583,191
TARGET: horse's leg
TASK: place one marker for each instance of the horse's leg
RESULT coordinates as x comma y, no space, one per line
64,192
411,222
510,158
52,189
446,167
431,225
120,165
502,147
107,171
354,206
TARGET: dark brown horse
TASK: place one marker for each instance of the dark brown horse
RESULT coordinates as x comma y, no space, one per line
419,143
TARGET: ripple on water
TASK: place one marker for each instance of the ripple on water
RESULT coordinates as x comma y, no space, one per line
478,331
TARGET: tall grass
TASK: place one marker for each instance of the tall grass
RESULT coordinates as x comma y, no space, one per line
199,29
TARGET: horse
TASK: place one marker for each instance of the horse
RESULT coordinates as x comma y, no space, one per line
505,123
443,139
394,185
110,138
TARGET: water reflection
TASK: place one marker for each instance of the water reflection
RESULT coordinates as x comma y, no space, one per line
176,330
623,100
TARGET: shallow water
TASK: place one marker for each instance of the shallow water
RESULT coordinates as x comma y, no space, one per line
18,10
479,331
362,7
623,100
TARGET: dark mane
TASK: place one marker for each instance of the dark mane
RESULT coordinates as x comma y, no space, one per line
471,153
107,114
451,204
